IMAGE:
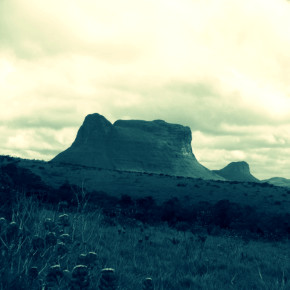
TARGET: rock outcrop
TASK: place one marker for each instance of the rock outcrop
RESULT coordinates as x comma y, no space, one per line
237,171
135,145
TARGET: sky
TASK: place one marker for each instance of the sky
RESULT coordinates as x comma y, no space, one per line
220,67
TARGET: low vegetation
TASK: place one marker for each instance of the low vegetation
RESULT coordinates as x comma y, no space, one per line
57,246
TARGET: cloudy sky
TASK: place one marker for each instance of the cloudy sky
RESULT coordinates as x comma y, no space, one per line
220,67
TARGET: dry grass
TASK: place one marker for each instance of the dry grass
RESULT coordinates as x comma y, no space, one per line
174,260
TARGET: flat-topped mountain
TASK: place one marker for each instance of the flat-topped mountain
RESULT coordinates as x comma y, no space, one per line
237,171
135,145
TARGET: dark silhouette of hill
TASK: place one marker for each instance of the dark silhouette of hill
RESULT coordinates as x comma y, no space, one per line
135,145
115,183
278,181
237,171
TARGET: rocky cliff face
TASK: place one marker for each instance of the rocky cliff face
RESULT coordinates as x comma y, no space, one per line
237,171
135,145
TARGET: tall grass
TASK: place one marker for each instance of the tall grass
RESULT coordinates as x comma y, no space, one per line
46,248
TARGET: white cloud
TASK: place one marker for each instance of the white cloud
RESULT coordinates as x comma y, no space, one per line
220,67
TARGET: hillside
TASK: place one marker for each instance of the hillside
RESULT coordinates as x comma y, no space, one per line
161,187
278,181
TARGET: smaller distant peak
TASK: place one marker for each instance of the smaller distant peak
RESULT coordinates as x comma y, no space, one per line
238,166
159,121
237,171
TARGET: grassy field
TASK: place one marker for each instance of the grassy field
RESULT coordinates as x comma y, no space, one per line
44,247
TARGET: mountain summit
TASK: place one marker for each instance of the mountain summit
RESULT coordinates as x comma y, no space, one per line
237,171
135,145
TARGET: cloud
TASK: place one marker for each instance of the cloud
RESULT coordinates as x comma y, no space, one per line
219,67
105,30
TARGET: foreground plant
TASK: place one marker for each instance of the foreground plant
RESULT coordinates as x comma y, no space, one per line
80,278
53,277
148,284
108,279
